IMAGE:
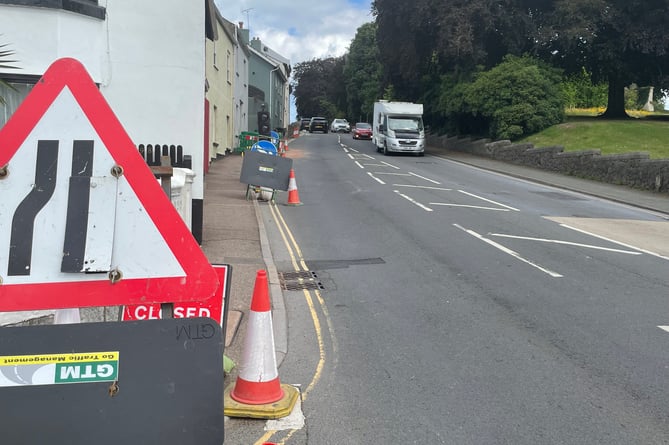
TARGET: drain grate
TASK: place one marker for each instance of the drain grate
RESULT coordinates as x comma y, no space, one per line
299,280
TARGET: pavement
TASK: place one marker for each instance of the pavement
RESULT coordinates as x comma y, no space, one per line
234,232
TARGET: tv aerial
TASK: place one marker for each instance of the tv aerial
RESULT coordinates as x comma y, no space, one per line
248,20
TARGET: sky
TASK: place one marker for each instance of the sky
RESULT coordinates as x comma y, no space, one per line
300,30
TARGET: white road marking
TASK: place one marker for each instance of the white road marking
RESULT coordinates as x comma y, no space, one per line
390,165
424,178
375,178
413,201
509,251
488,200
445,204
374,165
617,242
664,328
391,173
569,243
359,164
426,187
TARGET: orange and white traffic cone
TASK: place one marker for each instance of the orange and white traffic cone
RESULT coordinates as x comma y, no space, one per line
293,195
258,392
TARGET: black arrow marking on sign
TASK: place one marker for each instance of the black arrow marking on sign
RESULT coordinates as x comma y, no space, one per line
76,226
23,223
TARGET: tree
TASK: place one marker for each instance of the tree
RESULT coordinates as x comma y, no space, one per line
618,41
520,96
450,36
319,88
405,39
363,73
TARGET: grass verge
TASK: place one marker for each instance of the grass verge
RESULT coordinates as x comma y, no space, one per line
580,131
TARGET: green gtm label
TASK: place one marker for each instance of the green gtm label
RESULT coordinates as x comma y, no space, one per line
86,372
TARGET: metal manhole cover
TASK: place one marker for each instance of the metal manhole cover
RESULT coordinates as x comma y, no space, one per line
299,280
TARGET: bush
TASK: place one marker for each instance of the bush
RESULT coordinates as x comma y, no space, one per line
580,92
520,96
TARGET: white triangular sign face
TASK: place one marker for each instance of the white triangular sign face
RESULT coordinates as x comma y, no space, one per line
84,221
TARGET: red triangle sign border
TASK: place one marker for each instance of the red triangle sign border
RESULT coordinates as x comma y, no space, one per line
200,280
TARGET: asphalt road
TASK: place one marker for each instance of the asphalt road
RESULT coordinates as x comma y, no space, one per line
446,304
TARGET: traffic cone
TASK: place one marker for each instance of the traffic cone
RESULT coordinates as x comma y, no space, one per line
258,393
293,196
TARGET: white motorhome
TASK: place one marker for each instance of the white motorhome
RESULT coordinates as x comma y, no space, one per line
398,127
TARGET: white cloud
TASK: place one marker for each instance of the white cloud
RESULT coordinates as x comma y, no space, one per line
300,30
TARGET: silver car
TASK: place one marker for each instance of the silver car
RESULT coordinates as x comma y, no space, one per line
340,125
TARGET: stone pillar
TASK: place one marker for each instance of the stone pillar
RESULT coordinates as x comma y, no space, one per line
649,102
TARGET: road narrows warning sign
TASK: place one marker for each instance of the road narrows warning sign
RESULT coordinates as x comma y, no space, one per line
84,221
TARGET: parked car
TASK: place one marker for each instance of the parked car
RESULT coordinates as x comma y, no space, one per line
304,123
362,130
340,125
318,124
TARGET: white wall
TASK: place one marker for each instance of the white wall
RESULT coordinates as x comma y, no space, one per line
155,79
40,36
148,58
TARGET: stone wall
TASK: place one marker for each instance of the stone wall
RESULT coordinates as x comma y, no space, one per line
632,169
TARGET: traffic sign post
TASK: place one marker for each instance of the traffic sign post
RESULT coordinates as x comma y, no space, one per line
84,221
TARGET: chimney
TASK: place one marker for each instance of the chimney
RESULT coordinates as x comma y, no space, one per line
241,25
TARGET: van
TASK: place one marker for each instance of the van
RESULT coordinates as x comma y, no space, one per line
398,127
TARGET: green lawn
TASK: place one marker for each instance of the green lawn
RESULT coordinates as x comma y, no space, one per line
649,134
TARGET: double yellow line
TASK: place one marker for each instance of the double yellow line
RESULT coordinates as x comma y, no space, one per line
314,301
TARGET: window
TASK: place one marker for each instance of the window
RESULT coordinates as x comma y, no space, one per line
14,96
228,67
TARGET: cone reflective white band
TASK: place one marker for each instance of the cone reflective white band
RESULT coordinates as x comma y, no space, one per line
258,381
259,361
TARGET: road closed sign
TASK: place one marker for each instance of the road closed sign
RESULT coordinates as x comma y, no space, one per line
210,308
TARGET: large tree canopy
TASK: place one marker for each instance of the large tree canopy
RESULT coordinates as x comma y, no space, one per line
450,36
319,87
415,50
618,41
363,73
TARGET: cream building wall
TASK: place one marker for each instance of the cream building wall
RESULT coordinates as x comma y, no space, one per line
220,74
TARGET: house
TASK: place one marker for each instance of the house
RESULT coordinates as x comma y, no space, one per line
150,71
227,70
241,84
220,72
268,85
